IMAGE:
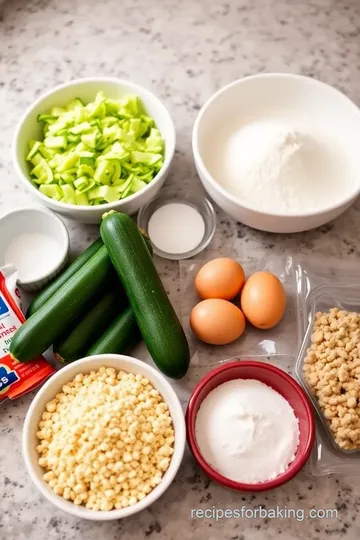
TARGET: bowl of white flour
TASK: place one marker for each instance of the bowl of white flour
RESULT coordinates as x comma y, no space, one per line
279,152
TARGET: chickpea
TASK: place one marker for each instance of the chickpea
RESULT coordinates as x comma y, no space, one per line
93,439
332,370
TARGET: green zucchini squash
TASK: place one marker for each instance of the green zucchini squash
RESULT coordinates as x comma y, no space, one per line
122,334
49,322
68,273
147,242
75,342
63,277
157,320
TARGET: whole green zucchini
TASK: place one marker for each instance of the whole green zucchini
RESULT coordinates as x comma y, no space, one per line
122,334
75,342
49,322
63,277
157,320
70,271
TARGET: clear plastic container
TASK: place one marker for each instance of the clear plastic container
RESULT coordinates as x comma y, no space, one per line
322,299
338,280
283,339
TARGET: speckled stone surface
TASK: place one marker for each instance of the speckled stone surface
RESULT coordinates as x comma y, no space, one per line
183,51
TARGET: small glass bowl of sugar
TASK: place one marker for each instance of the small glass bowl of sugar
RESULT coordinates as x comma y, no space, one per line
179,225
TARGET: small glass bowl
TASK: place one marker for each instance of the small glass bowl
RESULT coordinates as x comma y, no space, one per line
197,201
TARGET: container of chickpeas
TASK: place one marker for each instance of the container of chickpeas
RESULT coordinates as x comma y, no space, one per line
328,367
104,437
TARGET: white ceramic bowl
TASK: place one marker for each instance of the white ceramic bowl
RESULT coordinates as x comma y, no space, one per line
86,89
35,221
48,391
251,99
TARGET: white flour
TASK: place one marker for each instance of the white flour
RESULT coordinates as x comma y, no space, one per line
247,431
271,166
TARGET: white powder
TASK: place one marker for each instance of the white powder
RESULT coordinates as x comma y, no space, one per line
271,166
33,254
247,431
176,228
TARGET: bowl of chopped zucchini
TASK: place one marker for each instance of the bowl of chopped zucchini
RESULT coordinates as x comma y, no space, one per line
92,145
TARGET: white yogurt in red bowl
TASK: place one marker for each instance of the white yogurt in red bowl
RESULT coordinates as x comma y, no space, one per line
250,426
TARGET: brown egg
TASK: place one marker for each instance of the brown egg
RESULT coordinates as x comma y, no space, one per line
220,278
217,321
263,300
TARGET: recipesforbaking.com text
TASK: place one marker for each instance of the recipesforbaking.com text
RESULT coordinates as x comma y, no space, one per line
276,512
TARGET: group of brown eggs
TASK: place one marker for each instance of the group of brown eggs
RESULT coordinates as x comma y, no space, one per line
221,316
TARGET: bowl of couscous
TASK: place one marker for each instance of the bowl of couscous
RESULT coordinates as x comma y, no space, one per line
104,437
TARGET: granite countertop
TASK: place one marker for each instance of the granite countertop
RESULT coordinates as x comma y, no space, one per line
183,51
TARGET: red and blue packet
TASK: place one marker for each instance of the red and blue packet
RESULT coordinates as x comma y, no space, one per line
16,378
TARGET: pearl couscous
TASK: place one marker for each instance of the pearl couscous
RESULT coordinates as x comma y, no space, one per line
332,369
106,439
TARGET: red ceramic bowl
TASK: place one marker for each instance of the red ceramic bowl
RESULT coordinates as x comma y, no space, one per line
279,381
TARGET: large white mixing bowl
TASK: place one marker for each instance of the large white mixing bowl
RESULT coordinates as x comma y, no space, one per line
252,97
